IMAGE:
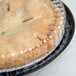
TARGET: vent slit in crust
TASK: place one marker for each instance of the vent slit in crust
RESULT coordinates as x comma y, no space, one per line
39,38
8,7
26,20
2,33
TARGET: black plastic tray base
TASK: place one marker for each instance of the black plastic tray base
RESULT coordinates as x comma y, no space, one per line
69,31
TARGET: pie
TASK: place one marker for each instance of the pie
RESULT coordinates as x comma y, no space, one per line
29,29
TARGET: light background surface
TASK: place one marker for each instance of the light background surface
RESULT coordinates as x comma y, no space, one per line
65,64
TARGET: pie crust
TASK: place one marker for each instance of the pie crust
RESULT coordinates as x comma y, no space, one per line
29,30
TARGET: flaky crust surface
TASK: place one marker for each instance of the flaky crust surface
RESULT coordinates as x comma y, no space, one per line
29,30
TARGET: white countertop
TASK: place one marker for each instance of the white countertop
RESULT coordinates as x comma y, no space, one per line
65,64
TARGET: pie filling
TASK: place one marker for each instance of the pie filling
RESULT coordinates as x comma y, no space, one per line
29,30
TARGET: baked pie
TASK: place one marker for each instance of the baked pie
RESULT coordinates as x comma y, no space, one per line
29,29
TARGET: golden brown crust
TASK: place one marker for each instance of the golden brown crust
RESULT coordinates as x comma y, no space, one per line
26,36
